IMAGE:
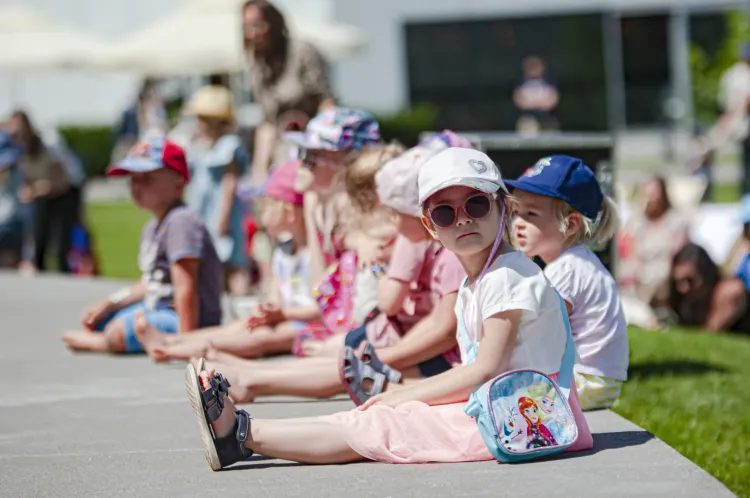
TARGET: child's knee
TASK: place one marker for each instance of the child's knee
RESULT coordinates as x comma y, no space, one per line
114,333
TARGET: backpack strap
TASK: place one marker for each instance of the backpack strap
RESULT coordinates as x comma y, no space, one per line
565,375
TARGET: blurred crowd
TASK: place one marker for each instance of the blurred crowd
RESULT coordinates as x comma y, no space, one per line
664,277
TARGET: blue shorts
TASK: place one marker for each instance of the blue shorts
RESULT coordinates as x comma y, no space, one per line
163,319
429,368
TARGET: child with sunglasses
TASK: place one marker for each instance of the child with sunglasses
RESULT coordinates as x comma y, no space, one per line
560,209
509,312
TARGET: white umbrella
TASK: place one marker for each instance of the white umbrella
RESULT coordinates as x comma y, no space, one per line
205,36
32,41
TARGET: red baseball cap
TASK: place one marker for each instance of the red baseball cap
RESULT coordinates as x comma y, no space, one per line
152,154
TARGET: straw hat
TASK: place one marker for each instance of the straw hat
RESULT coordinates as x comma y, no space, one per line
211,101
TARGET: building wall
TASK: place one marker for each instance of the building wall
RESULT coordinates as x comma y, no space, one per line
382,22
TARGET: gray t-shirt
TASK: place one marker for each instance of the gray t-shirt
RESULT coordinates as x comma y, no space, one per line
180,235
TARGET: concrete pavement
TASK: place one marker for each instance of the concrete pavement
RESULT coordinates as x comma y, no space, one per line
93,426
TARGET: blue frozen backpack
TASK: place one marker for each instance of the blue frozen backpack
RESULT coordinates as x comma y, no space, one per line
524,414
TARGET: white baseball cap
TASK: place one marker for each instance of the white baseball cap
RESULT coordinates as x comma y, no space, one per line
459,167
396,181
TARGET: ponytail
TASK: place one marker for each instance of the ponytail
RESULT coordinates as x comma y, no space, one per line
607,223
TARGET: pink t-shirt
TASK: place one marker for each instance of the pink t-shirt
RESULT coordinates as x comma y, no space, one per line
433,273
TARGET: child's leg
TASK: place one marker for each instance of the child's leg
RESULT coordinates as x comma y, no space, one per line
161,347
237,361
84,340
300,441
306,377
263,341
260,342
110,336
227,330
596,392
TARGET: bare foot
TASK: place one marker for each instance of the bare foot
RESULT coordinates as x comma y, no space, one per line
224,425
85,341
150,338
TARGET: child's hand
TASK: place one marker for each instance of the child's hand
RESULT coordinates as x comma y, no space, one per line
371,252
391,398
272,314
267,315
95,314
257,319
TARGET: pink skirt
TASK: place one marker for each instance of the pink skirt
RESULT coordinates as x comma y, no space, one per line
418,433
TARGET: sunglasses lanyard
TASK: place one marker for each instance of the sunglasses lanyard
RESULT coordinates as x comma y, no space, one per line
490,259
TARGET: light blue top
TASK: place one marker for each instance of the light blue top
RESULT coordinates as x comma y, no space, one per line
204,196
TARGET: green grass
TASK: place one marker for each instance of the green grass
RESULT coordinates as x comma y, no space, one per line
692,390
726,192
116,229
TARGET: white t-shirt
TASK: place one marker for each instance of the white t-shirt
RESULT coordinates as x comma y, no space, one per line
597,319
514,282
292,273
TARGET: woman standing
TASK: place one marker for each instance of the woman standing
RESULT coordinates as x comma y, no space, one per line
217,158
45,189
288,79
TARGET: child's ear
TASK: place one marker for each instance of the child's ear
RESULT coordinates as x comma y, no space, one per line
574,224
427,224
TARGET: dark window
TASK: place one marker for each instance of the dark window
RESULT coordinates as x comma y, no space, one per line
469,69
645,58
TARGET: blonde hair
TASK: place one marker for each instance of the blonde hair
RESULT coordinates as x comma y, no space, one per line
360,175
361,207
591,231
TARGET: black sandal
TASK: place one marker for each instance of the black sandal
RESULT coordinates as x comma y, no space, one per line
207,406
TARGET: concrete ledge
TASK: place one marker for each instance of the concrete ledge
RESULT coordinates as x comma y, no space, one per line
85,425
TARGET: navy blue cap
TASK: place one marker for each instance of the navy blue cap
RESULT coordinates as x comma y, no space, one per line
10,153
565,178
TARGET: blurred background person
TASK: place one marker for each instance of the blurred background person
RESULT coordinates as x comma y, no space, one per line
147,116
536,98
11,221
217,158
288,78
653,234
700,297
45,188
734,122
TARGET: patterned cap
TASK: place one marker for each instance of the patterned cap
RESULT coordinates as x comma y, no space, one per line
445,139
152,154
338,128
